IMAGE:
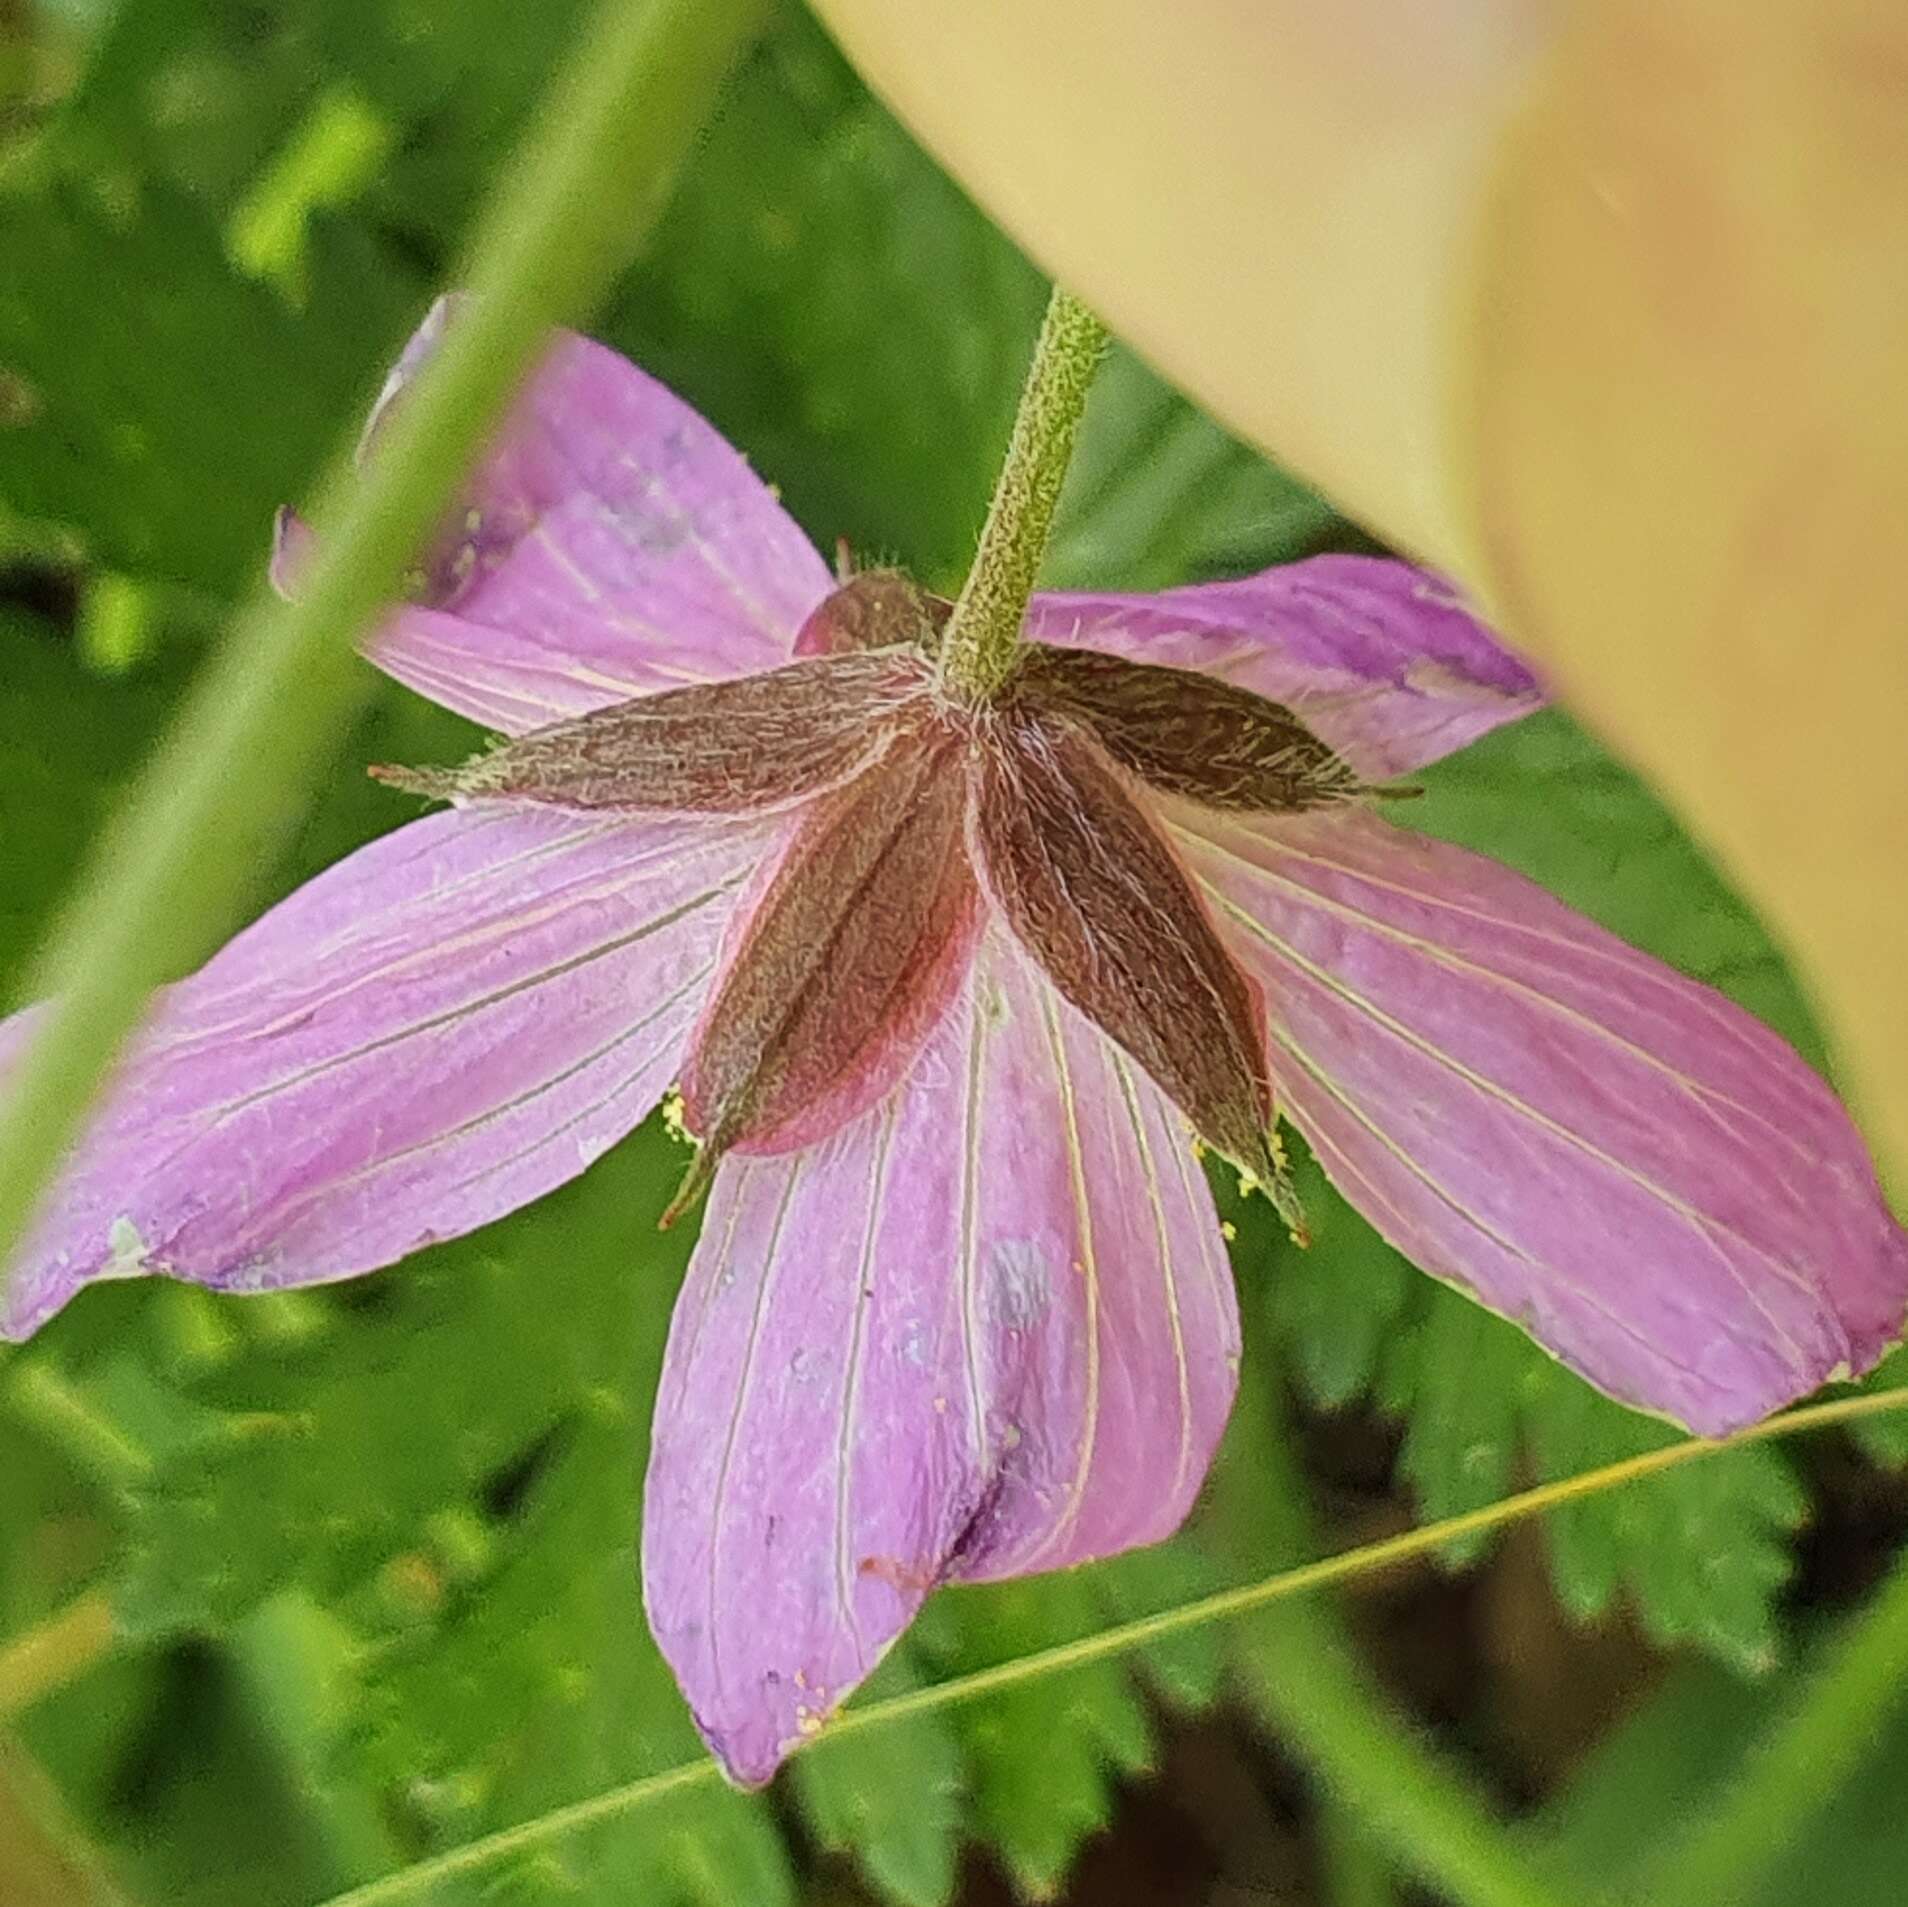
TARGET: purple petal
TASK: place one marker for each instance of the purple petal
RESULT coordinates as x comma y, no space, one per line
1612,1155
987,1329
611,544
293,547
1382,661
435,1031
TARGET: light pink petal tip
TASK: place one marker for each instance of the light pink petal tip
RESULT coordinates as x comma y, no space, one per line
988,1328
435,1031
1383,661
610,545
1616,1157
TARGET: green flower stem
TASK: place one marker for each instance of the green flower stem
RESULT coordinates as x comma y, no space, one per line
1801,1762
58,1651
1376,1777
172,869
983,634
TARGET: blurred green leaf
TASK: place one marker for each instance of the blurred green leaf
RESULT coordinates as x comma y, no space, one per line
207,97
1458,1372
891,1798
141,428
189,1789
1678,1756
1339,1304
1885,1439
1706,1558
1042,1756
359,1458
69,741
1186,1670
196,97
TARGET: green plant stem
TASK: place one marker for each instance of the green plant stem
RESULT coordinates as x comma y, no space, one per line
557,1824
983,634
58,1651
1800,1763
269,709
1377,1778
1354,1873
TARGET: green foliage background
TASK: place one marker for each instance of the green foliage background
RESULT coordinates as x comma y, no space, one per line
373,1548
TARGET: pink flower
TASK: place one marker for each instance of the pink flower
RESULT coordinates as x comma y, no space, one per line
950,990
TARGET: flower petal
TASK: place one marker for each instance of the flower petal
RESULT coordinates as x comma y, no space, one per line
1618,1158
610,544
435,1031
1381,660
989,1328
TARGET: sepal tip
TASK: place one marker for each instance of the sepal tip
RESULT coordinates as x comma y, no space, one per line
434,784
695,1182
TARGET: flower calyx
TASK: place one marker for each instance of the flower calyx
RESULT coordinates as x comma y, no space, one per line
914,815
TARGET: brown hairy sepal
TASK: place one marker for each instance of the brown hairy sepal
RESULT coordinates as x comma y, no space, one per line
910,801
1189,734
748,745
841,963
1092,890
874,609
